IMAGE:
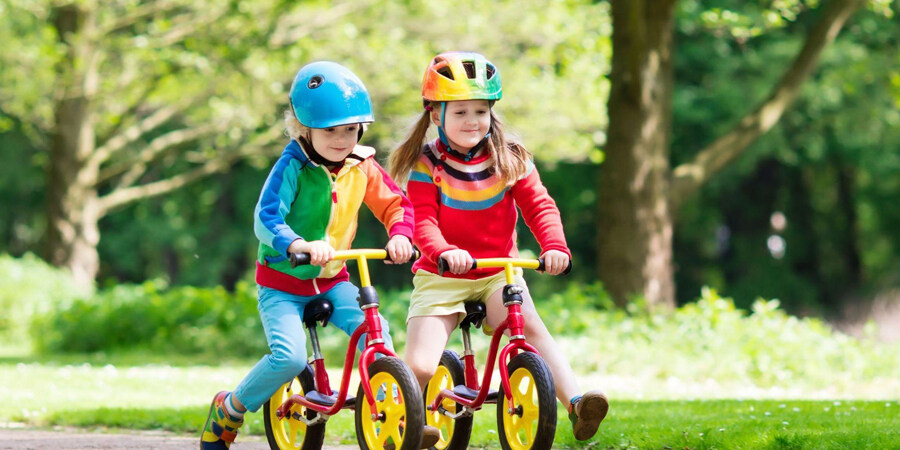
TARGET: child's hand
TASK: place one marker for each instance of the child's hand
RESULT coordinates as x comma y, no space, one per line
555,262
460,261
320,252
400,249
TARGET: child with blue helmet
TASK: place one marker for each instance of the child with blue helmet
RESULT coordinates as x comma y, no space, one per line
309,204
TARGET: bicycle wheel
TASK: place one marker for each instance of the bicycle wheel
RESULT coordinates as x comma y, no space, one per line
532,423
455,434
290,433
400,421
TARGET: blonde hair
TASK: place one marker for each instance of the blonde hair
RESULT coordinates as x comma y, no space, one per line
293,128
510,165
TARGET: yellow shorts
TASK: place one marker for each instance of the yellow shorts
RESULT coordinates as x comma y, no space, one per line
434,295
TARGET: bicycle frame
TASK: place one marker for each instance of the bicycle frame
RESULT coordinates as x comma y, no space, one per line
514,322
368,301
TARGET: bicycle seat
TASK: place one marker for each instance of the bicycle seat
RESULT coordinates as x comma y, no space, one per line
318,310
475,314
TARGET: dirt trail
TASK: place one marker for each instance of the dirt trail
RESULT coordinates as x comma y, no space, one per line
79,439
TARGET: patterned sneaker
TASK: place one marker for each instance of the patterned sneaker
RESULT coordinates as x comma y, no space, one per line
220,429
587,412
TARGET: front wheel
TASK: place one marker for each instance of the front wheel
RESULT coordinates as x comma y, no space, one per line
400,417
531,424
290,433
455,434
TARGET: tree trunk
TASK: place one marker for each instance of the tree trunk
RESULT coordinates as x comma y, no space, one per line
73,210
635,234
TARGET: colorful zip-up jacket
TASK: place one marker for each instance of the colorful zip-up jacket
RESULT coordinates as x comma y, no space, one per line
463,205
303,200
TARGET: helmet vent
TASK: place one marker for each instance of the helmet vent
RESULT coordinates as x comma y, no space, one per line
445,71
490,71
315,81
470,69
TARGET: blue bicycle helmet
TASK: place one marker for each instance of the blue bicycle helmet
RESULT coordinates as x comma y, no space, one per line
325,94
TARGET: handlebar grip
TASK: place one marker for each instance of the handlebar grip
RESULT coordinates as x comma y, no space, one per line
443,266
416,254
541,268
299,259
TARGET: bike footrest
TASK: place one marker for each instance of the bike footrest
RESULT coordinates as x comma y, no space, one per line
469,393
326,400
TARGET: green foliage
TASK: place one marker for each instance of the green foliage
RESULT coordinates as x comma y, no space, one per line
711,341
185,320
29,288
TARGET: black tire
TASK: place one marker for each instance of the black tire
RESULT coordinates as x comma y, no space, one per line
528,373
397,386
455,434
279,431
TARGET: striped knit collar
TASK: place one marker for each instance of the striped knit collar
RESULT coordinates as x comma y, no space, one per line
460,157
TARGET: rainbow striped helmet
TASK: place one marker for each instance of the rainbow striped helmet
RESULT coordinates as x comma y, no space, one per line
461,76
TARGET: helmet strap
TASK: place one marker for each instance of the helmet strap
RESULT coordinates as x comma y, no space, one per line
441,135
316,157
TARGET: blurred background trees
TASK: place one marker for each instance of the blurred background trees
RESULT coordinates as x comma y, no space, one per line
108,110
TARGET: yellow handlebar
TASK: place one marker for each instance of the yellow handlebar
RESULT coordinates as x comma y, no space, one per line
361,255
506,263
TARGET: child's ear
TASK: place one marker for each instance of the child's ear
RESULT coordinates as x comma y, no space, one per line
436,118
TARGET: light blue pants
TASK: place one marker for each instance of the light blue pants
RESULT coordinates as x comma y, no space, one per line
281,315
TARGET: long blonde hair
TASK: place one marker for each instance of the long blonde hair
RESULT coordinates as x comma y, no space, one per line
510,164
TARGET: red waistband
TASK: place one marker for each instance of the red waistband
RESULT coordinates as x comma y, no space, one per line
271,278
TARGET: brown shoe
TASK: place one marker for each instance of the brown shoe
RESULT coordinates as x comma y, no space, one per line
587,412
430,437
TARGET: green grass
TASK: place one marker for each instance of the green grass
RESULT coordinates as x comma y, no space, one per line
166,397
632,424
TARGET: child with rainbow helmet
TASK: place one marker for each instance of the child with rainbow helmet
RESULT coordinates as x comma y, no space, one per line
309,203
465,187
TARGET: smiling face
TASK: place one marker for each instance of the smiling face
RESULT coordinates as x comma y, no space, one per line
466,122
335,144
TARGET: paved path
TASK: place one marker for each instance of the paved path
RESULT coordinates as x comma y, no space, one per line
81,439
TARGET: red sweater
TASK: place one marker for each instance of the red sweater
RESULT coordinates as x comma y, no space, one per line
462,205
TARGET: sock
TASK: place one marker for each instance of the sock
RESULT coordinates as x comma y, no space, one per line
231,409
572,403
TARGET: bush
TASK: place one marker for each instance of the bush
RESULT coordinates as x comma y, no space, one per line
29,287
185,320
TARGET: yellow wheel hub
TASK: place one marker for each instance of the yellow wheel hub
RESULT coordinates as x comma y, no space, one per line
391,408
521,426
439,381
289,432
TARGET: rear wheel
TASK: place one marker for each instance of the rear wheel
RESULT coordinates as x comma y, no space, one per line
400,416
531,424
290,433
455,434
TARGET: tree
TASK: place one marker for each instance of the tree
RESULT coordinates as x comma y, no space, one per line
639,192
145,97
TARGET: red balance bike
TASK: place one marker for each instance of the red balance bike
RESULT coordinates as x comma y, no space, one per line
526,401
388,413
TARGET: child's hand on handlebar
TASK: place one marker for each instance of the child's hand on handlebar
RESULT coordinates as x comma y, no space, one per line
400,250
320,252
555,262
459,261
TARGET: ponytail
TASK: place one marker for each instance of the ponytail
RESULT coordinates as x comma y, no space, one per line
402,160
511,163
